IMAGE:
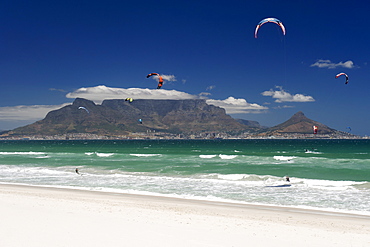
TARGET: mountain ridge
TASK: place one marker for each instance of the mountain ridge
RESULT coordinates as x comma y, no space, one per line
116,117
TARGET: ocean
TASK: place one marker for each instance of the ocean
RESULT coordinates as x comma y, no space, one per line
331,175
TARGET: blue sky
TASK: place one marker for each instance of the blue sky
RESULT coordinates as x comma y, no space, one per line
54,51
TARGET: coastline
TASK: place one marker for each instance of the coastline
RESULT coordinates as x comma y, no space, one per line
142,136
46,216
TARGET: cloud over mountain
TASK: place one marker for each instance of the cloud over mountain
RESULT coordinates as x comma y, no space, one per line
100,93
233,105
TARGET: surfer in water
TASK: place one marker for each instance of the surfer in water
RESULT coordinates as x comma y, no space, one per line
287,179
77,171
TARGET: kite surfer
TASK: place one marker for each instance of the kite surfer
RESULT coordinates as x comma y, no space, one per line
287,179
77,171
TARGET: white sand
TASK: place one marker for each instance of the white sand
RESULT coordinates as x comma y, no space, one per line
34,216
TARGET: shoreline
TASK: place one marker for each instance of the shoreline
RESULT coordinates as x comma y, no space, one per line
236,204
104,138
47,216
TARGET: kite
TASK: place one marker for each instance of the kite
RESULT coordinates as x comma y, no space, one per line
140,121
160,79
81,107
344,75
129,99
266,20
315,129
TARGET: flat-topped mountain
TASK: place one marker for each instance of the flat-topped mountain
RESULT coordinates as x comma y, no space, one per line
117,116
193,116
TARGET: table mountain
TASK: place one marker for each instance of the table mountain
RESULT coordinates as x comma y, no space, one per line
117,116
193,116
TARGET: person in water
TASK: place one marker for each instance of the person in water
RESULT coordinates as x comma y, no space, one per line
77,171
287,179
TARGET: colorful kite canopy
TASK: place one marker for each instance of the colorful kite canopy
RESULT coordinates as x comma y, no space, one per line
344,75
315,129
266,20
160,79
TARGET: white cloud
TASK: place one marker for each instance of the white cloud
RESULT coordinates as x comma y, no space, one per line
283,107
169,77
233,106
282,96
328,64
25,112
165,78
100,93
204,94
210,88
56,89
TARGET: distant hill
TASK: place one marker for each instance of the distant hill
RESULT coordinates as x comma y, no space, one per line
299,124
117,117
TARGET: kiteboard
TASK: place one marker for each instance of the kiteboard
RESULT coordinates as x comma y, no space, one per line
281,185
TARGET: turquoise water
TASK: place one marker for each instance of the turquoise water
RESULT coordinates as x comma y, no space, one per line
325,174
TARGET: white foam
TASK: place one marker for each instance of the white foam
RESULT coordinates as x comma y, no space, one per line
330,185
145,155
233,177
22,153
43,157
312,152
284,158
104,154
207,156
227,157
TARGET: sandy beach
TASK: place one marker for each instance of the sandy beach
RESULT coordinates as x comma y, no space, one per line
38,216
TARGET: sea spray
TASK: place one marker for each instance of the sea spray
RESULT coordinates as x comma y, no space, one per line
325,174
